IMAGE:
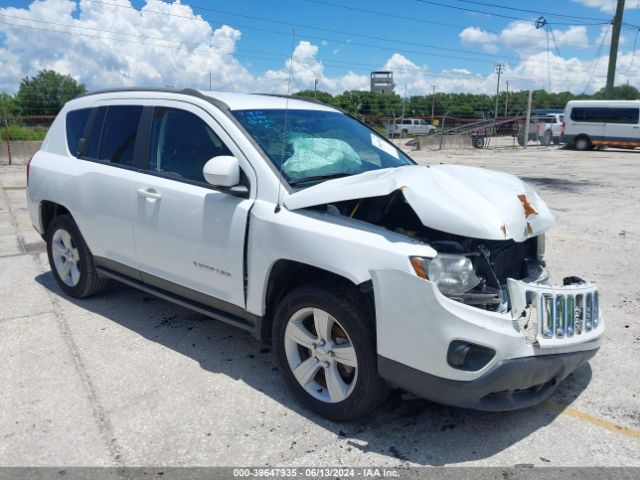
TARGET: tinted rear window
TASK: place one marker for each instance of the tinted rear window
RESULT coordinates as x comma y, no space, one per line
118,137
76,122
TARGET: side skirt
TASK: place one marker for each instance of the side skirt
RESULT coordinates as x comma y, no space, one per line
249,322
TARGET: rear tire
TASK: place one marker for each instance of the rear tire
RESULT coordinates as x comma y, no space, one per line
547,138
583,143
71,261
314,327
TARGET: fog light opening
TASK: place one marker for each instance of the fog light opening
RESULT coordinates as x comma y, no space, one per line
468,356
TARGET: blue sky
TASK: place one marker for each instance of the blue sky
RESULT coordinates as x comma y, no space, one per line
337,41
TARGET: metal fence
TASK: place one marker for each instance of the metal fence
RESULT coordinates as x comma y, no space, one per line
21,136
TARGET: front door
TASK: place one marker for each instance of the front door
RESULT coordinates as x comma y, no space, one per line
189,236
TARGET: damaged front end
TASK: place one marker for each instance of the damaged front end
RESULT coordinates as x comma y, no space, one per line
476,325
488,229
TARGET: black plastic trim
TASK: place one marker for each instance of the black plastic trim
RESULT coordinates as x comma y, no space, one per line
510,385
180,295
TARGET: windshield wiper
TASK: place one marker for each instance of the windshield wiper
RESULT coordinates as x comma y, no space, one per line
314,178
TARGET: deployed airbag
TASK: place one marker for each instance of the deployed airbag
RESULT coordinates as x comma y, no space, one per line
320,156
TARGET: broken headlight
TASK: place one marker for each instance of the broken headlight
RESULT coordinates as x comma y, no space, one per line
454,274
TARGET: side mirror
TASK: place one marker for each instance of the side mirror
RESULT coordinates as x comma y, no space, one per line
222,171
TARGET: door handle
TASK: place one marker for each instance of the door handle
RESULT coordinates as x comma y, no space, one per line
149,194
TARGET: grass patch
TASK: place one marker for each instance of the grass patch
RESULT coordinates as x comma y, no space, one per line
19,132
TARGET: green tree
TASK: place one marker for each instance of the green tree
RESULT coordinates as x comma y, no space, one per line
8,105
47,92
621,92
323,97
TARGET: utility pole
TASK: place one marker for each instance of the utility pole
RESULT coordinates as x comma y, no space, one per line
613,52
499,69
527,120
315,89
433,101
209,81
506,100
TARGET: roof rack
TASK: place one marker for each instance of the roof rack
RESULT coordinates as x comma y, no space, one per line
185,91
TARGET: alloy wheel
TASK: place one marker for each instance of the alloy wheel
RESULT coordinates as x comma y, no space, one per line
321,355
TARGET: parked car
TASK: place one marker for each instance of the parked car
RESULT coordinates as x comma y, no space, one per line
607,123
364,270
545,129
409,126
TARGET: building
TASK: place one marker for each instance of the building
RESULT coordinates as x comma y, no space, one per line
382,82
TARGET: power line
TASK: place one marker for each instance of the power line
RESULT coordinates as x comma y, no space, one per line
414,19
546,14
271,54
493,14
596,59
310,27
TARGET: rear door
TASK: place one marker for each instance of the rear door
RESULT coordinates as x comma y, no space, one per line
111,150
190,236
623,126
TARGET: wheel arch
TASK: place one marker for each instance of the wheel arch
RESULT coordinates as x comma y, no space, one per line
286,275
50,210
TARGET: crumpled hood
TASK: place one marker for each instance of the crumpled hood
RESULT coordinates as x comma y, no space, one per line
468,201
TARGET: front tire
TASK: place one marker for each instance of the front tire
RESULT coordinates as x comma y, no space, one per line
324,339
71,261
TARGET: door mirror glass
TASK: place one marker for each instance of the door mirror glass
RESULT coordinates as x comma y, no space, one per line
222,171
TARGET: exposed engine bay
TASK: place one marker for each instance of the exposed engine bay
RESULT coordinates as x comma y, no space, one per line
493,260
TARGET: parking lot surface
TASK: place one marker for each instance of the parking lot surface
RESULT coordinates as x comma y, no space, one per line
125,379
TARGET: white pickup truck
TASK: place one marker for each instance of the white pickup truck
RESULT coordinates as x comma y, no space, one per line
546,129
409,126
300,225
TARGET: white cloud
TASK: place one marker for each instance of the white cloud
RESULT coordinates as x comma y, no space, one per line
146,48
525,38
476,35
608,6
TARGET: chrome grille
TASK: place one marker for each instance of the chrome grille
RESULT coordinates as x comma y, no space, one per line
555,315
562,315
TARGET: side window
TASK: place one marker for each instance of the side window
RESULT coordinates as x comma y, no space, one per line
623,115
577,114
406,122
119,131
76,121
181,143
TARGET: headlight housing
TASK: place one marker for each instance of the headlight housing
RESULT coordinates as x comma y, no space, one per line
454,274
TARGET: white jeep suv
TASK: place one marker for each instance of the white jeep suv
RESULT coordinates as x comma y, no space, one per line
299,224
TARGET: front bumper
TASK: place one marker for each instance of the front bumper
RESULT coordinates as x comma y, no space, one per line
416,325
511,385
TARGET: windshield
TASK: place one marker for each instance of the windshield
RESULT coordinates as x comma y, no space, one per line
319,145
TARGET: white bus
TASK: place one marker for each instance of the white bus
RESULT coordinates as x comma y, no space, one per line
612,123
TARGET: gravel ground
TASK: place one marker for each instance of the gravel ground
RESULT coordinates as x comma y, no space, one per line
124,379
